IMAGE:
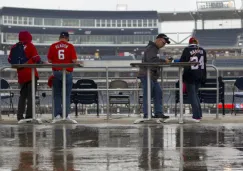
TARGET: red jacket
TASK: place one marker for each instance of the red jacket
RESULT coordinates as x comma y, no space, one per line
24,74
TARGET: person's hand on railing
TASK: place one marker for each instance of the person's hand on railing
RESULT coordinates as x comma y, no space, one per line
45,62
38,60
168,60
79,62
172,60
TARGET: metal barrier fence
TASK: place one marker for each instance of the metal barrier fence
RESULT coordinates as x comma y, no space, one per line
106,89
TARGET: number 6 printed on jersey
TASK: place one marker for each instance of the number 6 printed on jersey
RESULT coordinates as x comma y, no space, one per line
61,55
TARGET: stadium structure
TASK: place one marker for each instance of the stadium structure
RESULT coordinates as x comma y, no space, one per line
117,38
94,33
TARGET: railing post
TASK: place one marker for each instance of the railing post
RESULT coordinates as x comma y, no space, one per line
149,93
64,94
107,95
33,92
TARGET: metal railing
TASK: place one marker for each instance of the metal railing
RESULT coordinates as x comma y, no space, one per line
107,89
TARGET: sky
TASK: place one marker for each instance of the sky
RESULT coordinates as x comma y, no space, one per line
158,5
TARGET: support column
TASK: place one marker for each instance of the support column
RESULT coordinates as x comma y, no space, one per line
195,24
202,24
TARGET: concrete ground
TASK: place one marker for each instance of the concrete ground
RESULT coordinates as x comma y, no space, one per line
119,147
97,144
125,119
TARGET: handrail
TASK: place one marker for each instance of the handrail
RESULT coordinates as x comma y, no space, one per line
123,69
148,66
33,66
104,89
108,69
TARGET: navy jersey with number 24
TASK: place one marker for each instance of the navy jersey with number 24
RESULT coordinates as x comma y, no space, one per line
195,73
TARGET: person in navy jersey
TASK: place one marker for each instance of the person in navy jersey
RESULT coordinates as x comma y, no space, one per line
194,75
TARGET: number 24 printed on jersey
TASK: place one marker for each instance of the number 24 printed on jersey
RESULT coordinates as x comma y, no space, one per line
195,59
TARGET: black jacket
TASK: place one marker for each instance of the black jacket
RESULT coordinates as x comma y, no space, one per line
151,55
198,73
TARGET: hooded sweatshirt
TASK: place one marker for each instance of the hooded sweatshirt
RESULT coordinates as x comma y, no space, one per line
24,74
151,55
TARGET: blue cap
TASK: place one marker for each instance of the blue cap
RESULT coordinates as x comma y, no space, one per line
64,34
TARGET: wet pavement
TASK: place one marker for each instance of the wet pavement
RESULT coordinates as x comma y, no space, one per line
112,147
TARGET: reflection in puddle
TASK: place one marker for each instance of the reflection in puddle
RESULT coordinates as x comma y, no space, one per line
196,147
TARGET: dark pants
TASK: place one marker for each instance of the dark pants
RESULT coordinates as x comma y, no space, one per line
57,88
25,94
192,91
156,93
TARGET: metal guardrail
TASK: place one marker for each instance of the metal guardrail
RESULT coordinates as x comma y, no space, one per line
107,69
33,67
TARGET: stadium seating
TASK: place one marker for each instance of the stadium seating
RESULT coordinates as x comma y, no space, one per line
218,37
228,63
117,58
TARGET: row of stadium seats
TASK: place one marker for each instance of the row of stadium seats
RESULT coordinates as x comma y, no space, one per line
218,37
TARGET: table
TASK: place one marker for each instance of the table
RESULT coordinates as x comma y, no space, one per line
179,65
33,66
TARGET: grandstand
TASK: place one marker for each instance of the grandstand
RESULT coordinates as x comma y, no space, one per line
113,36
94,33
219,41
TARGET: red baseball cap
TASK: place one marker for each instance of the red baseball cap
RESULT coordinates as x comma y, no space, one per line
193,40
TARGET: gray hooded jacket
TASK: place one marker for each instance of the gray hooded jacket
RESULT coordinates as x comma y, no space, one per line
150,56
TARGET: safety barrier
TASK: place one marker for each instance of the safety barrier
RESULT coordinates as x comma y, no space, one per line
107,70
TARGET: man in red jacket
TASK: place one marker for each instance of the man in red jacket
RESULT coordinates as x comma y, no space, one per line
62,52
24,76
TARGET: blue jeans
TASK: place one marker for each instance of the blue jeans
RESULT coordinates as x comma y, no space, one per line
57,88
156,93
192,91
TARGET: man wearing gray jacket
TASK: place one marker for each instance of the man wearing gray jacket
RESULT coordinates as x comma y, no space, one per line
151,55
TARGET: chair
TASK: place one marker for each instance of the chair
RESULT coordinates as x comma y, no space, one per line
239,85
7,95
206,96
85,97
209,96
118,97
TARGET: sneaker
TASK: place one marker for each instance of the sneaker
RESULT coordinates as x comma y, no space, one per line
20,118
161,116
58,117
72,121
196,118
